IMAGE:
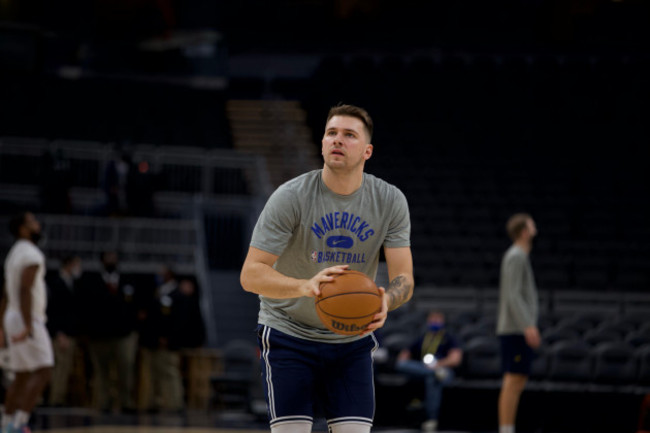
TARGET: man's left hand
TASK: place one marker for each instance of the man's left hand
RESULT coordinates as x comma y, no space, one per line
380,318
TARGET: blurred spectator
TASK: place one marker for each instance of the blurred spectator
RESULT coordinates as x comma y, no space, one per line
63,325
56,180
161,338
140,186
432,358
193,329
115,182
109,324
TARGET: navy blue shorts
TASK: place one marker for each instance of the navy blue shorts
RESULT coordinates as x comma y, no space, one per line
516,355
301,375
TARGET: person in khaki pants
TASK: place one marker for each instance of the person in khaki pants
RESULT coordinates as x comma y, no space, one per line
109,324
173,322
62,324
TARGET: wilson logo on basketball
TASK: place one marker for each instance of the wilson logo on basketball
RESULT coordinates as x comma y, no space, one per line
351,328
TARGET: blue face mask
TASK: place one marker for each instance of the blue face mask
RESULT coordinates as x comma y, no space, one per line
435,326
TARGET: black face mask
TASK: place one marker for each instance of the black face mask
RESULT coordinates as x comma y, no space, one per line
110,267
35,237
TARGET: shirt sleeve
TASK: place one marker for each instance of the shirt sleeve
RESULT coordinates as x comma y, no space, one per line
29,257
515,269
399,229
277,222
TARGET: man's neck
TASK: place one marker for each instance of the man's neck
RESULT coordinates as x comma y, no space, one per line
343,183
524,245
25,238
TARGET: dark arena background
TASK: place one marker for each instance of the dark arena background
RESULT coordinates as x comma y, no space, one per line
158,128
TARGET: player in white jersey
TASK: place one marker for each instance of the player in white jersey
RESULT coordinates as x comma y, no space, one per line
23,326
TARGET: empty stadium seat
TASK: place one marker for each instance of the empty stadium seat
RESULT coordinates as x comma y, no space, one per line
642,355
481,358
396,341
239,382
638,338
570,361
559,333
614,363
471,331
595,337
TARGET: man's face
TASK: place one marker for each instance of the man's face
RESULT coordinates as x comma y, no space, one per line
345,143
532,228
31,227
435,319
75,267
110,262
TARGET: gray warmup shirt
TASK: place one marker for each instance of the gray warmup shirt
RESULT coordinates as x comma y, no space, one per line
518,303
312,228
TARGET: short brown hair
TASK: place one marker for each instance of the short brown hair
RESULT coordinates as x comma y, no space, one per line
516,225
353,111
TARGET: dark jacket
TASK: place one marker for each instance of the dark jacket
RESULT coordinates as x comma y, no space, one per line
108,311
174,317
62,306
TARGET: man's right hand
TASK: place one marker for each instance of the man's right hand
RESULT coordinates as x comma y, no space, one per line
311,287
27,332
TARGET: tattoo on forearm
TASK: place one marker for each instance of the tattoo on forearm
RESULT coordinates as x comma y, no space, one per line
399,291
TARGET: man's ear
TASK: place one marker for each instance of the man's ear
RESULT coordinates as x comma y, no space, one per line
368,153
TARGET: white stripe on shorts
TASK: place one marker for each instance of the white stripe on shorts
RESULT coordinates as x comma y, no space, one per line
266,333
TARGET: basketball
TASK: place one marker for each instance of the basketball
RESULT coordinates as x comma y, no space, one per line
348,303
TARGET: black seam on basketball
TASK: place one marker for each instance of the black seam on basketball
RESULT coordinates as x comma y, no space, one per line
347,317
347,293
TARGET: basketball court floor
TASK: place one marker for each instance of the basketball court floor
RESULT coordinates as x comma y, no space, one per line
72,420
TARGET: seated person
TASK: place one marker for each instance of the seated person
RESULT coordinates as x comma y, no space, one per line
432,358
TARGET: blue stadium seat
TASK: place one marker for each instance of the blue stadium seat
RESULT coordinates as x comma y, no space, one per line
642,355
482,358
614,363
570,361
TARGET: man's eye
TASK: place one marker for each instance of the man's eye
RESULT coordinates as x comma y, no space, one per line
349,134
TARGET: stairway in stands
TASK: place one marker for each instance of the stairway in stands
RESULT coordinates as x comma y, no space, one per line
276,130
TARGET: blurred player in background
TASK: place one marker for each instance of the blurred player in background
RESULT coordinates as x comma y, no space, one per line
517,317
23,309
312,228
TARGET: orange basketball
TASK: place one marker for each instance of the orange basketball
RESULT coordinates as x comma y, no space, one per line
348,303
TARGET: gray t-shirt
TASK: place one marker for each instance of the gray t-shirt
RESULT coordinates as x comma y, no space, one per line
518,303
312,228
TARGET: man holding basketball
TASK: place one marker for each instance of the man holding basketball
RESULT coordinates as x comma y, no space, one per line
294,248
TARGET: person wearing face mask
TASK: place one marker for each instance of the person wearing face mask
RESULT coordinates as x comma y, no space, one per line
161,338
109,324
432,357
23,328
62,323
